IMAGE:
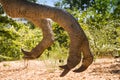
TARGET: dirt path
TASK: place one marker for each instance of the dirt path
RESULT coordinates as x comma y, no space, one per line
101,69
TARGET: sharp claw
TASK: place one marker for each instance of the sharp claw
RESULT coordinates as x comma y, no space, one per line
66,70
25,52
64,67
86,63
27,55
81,69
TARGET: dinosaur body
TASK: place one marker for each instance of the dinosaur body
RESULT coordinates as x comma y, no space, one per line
38,14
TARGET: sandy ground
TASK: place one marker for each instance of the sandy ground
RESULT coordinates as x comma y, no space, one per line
101,69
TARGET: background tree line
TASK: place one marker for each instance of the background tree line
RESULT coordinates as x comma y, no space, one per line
99,19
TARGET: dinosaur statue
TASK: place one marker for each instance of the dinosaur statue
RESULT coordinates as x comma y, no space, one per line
38,14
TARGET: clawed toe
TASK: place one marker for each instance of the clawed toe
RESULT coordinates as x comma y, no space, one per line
25,52
66,70
81,69
64,66
27,55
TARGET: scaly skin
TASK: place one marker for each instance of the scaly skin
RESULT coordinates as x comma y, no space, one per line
38,14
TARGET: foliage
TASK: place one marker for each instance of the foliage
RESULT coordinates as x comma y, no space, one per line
1,10
102,29
32,0
101,24
13,37
71,4
60,35
59,50
105,39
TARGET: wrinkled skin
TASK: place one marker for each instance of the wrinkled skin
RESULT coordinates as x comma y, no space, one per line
38,14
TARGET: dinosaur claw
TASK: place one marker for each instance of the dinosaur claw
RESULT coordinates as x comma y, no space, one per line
66,70
25,52
27,55
81,69
64,67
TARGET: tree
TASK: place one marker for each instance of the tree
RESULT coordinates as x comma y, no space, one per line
33,12
1,10
71,4
33,1
116,8
101,17
100,7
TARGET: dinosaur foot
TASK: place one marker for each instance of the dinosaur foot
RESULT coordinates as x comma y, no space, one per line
28,55
66,70
81,69
86,63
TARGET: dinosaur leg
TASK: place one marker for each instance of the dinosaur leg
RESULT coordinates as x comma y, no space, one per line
87,57
79,43
74,57
47,40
